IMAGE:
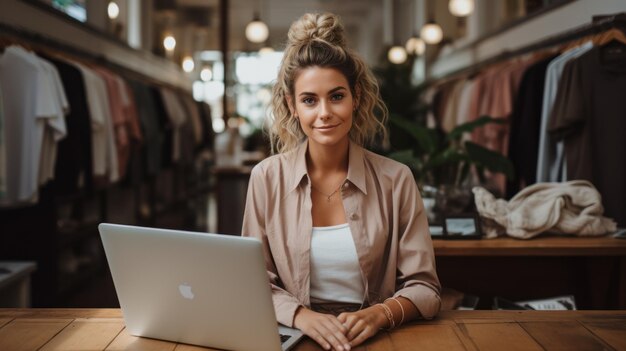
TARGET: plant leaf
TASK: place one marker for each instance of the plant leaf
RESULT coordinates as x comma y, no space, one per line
491,160
422,135
458,131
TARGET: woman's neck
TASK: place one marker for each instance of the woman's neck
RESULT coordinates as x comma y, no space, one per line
325,159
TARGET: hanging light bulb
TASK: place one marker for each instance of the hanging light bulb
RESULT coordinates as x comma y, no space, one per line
113,10
169,43
415,45
397,54
257,31
431,33
206,74
188,64
461,8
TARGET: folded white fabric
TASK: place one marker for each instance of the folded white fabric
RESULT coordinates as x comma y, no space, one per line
573,207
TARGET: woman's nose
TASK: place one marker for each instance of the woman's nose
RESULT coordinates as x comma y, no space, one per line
324,111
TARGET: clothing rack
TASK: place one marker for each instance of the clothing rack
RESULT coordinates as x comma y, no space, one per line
599,24
52,44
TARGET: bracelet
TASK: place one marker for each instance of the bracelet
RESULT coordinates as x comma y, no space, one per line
401,308
389,315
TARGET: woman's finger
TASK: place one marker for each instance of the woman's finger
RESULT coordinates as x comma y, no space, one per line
332,335
356,329
315,335
365,334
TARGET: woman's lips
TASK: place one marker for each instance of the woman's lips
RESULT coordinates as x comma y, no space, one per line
326,128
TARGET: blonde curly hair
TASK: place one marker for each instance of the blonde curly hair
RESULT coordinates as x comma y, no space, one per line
317,40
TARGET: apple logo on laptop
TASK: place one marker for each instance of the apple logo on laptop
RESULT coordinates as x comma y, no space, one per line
185,291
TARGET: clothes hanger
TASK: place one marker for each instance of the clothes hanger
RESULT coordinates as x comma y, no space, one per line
608,36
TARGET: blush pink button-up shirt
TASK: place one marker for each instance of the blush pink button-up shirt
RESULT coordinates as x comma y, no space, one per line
386,217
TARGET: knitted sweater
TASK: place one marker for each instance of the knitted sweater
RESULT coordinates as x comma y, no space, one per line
573,207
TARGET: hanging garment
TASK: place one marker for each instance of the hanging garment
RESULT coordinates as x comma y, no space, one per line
105,163
74,169
550,157
573,207
33,109
525,127
589,116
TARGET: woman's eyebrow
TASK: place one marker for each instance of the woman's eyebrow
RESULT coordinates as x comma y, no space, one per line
329,92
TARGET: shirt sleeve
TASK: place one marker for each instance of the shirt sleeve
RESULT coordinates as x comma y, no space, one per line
254,225
416,272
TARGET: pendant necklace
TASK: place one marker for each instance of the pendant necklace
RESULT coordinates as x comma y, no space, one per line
328,196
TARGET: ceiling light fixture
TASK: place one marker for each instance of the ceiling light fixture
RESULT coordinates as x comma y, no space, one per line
113,10
397,54
169,42
188,64
257,31
461,8
206,74
431,32
415,46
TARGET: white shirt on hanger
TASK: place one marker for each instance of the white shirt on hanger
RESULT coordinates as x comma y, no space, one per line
104,151
30,104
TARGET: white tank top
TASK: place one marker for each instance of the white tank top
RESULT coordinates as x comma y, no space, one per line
335,271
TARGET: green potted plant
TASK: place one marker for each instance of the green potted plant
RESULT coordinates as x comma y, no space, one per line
441,162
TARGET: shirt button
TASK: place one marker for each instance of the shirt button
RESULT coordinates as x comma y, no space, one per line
346,185
353,216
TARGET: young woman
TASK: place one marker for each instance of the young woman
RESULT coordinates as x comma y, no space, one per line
346,240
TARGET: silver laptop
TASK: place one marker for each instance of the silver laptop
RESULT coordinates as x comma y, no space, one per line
195,288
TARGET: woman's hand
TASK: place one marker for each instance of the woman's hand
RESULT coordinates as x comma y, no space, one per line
363,324
325,329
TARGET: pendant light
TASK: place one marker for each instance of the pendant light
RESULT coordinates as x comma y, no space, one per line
257,31
397,53
431,32
188,64
113,10
169,42
461,8
415,45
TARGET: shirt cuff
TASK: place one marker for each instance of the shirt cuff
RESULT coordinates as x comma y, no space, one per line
285,307
424,298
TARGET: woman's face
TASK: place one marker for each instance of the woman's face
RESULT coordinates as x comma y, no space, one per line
324,105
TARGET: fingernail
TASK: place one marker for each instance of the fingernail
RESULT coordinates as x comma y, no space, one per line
347,347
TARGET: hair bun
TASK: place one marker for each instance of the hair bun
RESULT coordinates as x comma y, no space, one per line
317,27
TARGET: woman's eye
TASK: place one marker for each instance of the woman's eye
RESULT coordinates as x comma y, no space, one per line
308,101
337,97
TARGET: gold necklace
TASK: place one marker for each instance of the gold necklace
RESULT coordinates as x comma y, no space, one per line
328,196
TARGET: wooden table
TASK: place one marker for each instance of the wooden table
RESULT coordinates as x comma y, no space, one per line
592,268
103,329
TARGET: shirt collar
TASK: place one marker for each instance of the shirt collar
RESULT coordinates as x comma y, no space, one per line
356,166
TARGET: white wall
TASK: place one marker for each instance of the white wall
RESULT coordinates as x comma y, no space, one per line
31,18
552,23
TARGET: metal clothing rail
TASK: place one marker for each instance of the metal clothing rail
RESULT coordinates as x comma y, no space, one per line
39,40
599,24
